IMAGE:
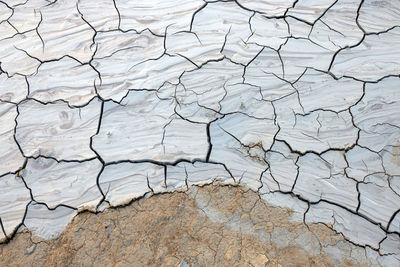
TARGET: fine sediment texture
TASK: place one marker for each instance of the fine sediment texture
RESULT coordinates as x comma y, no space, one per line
203,226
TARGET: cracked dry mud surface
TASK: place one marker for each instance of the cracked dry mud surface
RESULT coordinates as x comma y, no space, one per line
104,102
204,226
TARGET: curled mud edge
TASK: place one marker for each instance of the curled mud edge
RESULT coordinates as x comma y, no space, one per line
215,224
